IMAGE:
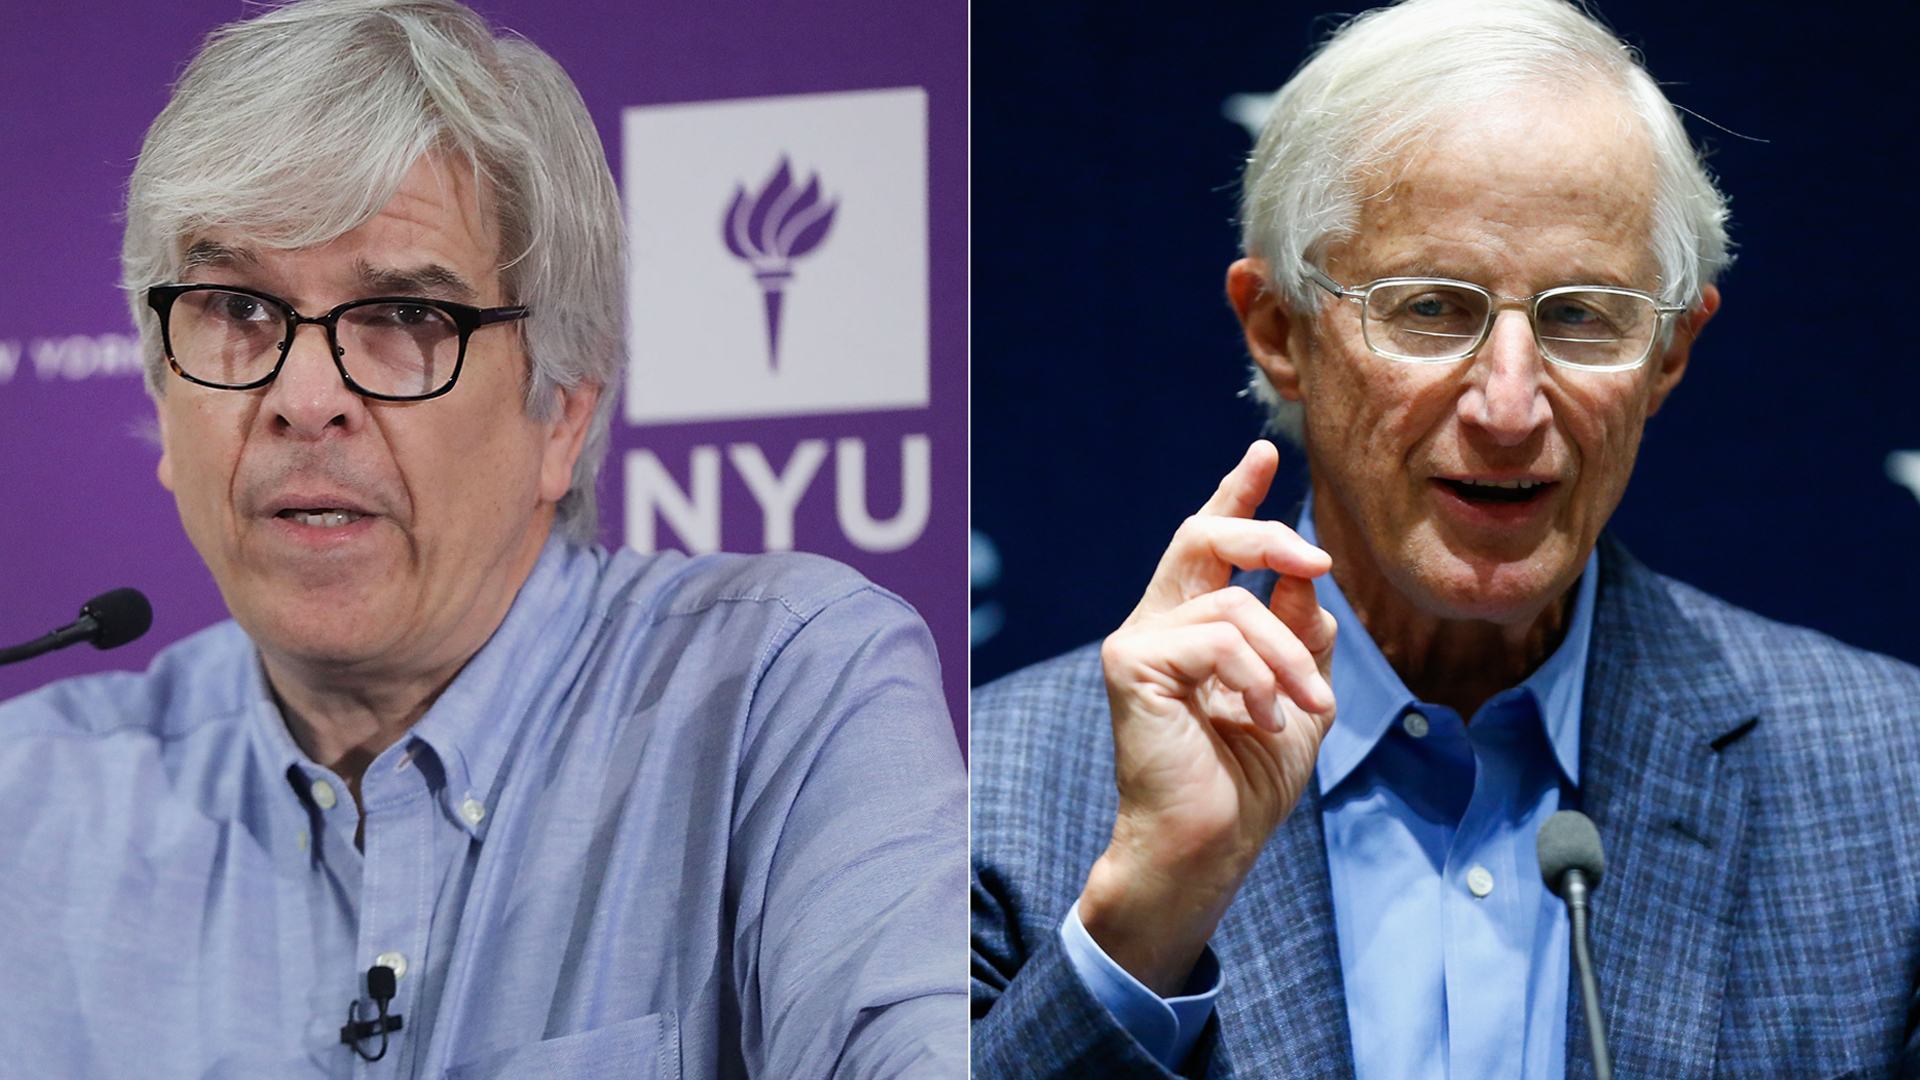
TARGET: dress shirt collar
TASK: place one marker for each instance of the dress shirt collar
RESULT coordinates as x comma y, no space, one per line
1372,695
472,728
478,721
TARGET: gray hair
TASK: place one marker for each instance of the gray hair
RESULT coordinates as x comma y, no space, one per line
1392,75
297,126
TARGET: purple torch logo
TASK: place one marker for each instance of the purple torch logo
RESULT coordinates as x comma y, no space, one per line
770,229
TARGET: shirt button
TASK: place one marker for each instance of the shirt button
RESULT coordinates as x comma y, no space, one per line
1416,725
394,960
472,811
1479,880
323,794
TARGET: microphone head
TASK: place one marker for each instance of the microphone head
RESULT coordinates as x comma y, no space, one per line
380,983
119,617
1568,841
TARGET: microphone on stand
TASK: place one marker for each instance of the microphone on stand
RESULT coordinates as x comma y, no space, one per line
1571,862
109,620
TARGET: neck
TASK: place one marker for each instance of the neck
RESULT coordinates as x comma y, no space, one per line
344,724
1459,662
344,712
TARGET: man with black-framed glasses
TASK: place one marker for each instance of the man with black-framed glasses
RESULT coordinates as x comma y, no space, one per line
405,348
1282,822
458,792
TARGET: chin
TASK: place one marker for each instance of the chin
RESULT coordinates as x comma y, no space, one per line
1506,592
333,625
320,648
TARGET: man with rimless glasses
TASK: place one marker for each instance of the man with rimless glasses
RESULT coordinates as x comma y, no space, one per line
457,793
1282,822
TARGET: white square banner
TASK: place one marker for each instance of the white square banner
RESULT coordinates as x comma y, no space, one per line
778,256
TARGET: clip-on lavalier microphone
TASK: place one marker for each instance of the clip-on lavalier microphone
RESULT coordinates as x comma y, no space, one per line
380,987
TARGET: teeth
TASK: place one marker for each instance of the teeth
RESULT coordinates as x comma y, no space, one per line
324,519
1511,485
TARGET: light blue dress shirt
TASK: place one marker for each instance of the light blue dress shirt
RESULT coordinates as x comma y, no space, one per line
1453,954
678,818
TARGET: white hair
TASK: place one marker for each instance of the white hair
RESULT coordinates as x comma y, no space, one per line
297,126
1392,75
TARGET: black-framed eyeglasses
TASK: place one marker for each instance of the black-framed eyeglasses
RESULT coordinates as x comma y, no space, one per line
390,348
1439,320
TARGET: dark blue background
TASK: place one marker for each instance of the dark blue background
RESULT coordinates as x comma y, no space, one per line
1106,361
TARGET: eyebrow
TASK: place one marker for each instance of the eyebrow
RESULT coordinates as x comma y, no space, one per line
431,280
1422,268
203,253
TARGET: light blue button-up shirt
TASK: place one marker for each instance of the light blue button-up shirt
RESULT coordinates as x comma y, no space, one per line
1453,954
697,818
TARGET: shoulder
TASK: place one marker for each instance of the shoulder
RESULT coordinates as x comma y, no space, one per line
751,637
1792,707
712,614
1785,662
789,587
1780,665
113,750
205,678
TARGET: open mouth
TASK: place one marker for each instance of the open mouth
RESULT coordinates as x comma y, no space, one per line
321,517
1499,491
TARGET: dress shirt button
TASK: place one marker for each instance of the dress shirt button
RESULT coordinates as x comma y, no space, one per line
472,811
1479,880
323,794
1415,724
394,960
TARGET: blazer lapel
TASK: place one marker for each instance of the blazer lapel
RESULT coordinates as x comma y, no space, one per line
1285,1009
1660,706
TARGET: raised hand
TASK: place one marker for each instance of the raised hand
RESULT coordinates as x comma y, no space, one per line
1219,703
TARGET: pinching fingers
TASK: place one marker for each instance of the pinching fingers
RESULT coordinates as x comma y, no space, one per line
1206,550
1295,603
1228,629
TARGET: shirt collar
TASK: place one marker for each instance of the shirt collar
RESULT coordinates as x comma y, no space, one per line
1372,695
478,720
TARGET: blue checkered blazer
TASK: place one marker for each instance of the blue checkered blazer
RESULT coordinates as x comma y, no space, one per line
1757,787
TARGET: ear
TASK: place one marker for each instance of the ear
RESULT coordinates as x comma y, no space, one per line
564,440
1267,323
165,469
1673,363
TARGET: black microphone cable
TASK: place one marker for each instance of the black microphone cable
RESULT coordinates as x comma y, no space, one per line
381,986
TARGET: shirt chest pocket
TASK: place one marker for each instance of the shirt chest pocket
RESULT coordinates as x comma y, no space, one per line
644,1048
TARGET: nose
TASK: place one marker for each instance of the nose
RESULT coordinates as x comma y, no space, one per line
310,397
1506,395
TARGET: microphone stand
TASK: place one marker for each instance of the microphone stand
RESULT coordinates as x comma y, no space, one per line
70,634
1576,896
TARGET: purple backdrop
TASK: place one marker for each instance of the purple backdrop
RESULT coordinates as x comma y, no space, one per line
80,82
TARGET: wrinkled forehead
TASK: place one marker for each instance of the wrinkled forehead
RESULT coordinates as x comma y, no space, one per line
1523,166
441,196
216,255
1588,131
